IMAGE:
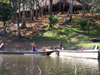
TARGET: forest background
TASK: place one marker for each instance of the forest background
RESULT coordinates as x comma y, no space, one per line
76,29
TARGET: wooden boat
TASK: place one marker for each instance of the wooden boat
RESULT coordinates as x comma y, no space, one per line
94,53
80,53
27,52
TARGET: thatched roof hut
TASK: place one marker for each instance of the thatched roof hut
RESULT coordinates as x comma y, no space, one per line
58,5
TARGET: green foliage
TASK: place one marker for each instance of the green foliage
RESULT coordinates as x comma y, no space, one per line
89,23
75,21
98,22
66,29
77,12
36,38
5,11
45,26
60,13
83,23
53,19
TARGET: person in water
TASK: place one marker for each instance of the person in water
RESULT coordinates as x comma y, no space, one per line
61,45
34,46
55,47
2,46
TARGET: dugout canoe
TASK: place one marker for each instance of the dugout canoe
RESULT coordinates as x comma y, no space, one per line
94,54
27,52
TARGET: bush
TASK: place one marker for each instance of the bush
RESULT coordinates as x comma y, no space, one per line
53,19
89,23
45,26
66,29
83,23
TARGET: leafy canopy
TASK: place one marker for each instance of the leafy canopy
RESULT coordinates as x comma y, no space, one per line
5,11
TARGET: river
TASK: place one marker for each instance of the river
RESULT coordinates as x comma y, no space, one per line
47,65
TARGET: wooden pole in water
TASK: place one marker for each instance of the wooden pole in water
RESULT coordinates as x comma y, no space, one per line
57,53
98,54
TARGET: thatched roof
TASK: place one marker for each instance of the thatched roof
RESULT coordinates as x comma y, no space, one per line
75,3
44,3
67,2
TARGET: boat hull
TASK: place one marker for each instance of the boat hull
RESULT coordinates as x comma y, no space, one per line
27,52
80,53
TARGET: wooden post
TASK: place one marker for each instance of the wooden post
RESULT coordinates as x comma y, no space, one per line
57,53
98,55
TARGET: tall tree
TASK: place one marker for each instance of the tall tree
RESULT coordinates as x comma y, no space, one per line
23,20
19,5
82,9
71,10
68,13
39,7
64,3
51,11
31,6
36,14
15,10
2,1
5,13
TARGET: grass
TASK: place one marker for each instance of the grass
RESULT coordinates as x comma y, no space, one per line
98,22
80,45
58,33
36,39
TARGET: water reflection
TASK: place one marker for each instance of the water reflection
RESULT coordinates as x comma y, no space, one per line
47,65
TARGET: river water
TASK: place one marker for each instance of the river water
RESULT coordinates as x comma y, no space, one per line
47,65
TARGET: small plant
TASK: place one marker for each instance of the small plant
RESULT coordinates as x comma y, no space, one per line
89,23
66,29
83,24
53,19
45,26
60,13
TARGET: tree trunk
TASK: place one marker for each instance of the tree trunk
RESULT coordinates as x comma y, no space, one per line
45,8
2,1
23,20
67,14
40,9
31,15
60,7
19,35
71,10
36,11
19,11
26,9
82,10
4,27
64,1
50,11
